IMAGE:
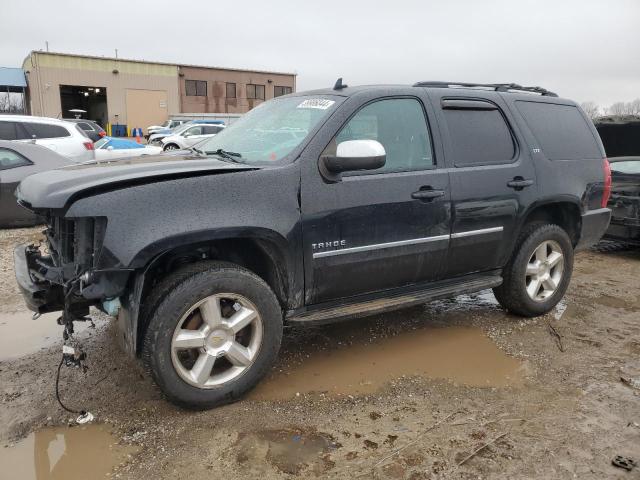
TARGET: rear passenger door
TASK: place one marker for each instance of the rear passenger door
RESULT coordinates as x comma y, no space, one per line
492,178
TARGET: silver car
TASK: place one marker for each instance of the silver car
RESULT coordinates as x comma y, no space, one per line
17,161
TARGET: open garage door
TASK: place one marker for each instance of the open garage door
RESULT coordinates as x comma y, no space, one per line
145,108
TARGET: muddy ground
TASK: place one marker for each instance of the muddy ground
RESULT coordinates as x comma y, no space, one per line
412,394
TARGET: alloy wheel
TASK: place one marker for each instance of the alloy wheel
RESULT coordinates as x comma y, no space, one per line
544,270
217,340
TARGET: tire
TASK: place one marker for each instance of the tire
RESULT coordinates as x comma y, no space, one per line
176,312
515,293
171,146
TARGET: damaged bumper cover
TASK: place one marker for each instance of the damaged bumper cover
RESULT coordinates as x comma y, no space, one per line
44,286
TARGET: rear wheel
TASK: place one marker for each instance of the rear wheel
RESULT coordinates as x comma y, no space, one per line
539,272
213,335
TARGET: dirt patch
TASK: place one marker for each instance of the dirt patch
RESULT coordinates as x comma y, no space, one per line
63,453
568,416
461,354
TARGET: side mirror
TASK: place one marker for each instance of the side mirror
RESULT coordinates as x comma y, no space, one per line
110,148
354,155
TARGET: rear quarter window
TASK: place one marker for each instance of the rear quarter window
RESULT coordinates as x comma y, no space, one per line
44,130
561,130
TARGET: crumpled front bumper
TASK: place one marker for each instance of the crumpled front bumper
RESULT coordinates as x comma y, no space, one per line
39,296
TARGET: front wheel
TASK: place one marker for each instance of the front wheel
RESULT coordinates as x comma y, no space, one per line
171,146
538,274
214,332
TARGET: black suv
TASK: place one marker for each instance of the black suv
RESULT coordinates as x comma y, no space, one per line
316,206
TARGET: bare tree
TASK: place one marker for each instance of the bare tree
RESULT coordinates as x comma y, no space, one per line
591,109
618,108
634,107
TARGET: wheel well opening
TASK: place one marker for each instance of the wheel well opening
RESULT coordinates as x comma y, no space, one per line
260,257
563,214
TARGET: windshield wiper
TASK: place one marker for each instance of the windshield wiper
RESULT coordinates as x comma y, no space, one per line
233,156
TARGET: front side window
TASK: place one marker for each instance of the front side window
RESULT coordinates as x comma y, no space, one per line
195,88
399,125
197,130
273,129
255,91
479,134
45,130
12,159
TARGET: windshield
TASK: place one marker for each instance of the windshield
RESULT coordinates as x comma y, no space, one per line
272,130
631,166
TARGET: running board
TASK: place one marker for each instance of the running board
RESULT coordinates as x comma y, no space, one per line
372,306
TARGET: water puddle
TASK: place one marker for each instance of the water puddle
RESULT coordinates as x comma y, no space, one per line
461,354
21,335
290,451
76,453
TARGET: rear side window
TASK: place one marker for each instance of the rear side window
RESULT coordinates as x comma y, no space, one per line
44,130
85,126
12,159
8,131
209,129
561,130
479,133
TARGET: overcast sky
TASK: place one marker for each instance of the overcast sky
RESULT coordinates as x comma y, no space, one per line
582,49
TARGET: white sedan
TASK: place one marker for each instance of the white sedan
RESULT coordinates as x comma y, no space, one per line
190,136
109,148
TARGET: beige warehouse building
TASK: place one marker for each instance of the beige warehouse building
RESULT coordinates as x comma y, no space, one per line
140,93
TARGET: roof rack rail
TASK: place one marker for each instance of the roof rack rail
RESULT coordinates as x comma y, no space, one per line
498,87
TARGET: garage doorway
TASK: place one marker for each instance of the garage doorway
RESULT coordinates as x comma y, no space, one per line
146,108
93,100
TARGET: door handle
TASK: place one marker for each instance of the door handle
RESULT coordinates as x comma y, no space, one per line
427,194
518,183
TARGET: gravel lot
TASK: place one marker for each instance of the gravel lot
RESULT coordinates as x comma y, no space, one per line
491,395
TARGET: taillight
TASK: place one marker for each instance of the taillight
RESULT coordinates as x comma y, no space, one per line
606,191
88,145
102,134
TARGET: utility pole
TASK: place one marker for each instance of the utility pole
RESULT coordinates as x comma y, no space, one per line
46,42
116,53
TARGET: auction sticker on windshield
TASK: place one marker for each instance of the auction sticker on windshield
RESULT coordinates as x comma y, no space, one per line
319,103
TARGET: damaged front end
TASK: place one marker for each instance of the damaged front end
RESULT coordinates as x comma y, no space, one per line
67,272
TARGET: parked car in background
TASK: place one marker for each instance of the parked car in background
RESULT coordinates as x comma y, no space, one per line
625,200
156,138
94,131
168,125
17,161
64,138
190,136
394,196
620,136
108,148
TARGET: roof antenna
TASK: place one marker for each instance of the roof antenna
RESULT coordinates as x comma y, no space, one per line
339,85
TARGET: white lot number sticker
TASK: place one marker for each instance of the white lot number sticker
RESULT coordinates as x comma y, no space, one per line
318,103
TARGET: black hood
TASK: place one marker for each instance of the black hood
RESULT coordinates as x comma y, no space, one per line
54,188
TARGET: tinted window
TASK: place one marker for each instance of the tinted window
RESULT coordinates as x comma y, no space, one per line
209,129
255,91
231,90
561,131
195,88
399,125
85,126
44,130
479,137
11,159
7,130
